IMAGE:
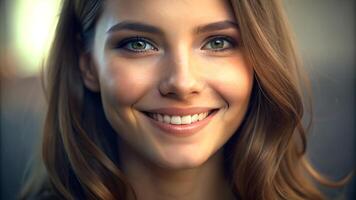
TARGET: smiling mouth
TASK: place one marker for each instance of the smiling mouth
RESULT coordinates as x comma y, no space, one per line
180,120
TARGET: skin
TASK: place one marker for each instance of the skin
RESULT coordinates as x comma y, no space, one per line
179,67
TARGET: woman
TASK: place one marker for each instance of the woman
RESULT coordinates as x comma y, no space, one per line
174,100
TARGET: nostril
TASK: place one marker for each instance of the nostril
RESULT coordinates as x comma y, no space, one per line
180,87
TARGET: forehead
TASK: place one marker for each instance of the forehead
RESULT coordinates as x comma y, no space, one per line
168,12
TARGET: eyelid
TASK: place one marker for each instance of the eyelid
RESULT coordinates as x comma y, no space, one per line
229,39
125,41
121,44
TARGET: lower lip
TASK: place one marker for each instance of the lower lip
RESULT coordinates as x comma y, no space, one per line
183,130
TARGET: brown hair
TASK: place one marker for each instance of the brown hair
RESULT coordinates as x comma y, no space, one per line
265,158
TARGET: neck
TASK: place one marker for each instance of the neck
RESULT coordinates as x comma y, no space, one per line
151,182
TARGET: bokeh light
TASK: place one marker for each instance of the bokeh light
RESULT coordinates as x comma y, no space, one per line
33,23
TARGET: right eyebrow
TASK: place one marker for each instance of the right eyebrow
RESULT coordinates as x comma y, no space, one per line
220,25
135,26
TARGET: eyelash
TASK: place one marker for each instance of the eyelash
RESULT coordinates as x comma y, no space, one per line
231,42
125,42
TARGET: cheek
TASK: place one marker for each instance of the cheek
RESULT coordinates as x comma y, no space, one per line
125,83
233,80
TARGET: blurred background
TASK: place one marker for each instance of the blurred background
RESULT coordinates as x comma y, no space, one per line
325,34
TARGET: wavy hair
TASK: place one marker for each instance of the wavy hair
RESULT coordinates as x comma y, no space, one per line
264,161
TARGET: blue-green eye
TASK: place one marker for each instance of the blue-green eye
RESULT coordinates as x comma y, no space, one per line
220,43
136,44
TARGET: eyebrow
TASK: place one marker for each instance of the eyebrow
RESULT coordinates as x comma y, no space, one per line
221,25
135,26
142,27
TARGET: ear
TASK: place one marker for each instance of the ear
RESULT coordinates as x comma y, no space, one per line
89,72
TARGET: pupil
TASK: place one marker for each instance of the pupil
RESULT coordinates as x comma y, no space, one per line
139,45
218,43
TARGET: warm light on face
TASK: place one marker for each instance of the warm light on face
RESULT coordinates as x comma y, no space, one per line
172,60
33,23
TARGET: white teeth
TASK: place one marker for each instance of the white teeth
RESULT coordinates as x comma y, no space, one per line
177,120
186,119
167,119
201,116
195,118
160,117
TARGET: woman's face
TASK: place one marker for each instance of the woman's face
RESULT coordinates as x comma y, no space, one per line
172,75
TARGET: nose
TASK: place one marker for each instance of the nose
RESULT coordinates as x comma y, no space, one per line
181,78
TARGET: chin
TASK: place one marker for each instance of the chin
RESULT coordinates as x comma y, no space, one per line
180,161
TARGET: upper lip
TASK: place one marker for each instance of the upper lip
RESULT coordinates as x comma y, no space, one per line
180,111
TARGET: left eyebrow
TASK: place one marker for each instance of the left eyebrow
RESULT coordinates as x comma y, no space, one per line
135,26
217,26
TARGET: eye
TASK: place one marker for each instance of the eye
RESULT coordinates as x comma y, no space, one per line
219,43
136,45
